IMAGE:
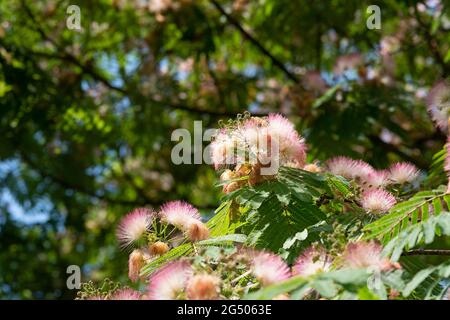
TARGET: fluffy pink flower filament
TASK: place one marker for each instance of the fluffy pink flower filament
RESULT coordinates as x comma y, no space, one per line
224,149
342,166
312,261
134,226
377,201
126,294
363,171
403,172
376,179
269,268
179,213
292,147
367,255
267,141
169,282
257,144
438,103
351,169
185,217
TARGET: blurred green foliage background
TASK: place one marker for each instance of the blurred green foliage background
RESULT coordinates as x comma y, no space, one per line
86,116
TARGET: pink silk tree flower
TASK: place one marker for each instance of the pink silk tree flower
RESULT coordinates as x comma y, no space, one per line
438,104
292,147
179,213
126,294
349,168
367,255
185,217
134,226
269,142
312,261
377,201
376,179
223,149
269,268
362,170
403,172
169,281
342,166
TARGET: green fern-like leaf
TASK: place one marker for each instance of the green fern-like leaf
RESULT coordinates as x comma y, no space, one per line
221,223
431,282
423,232
279,209
436,174
187,248
173,254
407,213
328,285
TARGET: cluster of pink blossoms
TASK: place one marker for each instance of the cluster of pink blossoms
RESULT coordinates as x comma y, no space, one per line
256,147
367,255
136,230
438,103
374,198
181,280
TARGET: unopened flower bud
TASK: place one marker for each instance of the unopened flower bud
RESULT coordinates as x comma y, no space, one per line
158,248
255,175
203,287
197,231
135,263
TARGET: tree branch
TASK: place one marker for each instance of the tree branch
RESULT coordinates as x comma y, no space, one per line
90,70
427,252
255,42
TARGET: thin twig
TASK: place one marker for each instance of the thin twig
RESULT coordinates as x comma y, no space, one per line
255,42
427,252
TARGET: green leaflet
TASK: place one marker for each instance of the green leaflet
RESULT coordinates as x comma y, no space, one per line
407,213
423,232
173,254
279,209
327,284
187,248
428,283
